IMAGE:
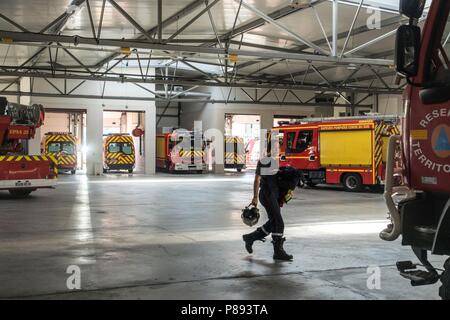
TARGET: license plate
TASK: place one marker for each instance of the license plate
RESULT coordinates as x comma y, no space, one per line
23,184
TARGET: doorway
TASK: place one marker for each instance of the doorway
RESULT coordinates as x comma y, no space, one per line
71,121
124,122
248,128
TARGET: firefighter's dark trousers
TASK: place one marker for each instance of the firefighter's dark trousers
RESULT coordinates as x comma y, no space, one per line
275,225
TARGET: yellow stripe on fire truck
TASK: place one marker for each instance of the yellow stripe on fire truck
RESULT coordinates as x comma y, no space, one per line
27,158
381,130
378,152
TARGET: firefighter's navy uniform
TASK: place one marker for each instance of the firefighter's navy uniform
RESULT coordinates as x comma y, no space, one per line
270,196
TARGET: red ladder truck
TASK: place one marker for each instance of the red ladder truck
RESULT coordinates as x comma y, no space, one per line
22,174
418,161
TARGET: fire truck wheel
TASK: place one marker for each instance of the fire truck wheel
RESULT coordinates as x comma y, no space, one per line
130,170
444,290
239,169
105,171
73,171
20,193
352,182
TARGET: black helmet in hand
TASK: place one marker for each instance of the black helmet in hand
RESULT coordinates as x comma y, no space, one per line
250,215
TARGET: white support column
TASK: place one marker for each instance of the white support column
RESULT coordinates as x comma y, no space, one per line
266,120
150,139
94,140
219,124
335,27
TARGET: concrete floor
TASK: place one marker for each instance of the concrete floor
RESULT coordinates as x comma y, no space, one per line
179,237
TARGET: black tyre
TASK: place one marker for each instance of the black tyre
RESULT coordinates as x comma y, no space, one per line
20,193
444,290
73,171
130,170
352,182
239,169
105,171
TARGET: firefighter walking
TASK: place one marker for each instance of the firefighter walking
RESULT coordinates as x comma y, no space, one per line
272,187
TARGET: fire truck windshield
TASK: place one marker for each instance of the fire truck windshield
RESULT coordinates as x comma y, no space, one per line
66,147
304,140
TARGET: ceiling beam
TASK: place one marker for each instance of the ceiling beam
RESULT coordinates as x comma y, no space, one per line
323,68
186,100
12,22
177,49
136,78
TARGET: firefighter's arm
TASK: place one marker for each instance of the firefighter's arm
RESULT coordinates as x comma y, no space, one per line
256,189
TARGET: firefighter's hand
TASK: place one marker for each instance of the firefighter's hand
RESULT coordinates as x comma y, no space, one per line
254,201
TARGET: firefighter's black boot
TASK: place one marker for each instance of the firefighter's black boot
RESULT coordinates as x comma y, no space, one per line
278,251
249,238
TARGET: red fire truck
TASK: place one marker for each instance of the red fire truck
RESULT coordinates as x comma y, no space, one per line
180,151
418,163
20,173
349,151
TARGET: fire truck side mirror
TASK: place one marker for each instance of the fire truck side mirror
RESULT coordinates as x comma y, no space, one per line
412,8
407,50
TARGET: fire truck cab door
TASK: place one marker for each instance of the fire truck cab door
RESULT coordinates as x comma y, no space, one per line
430,116
298,147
